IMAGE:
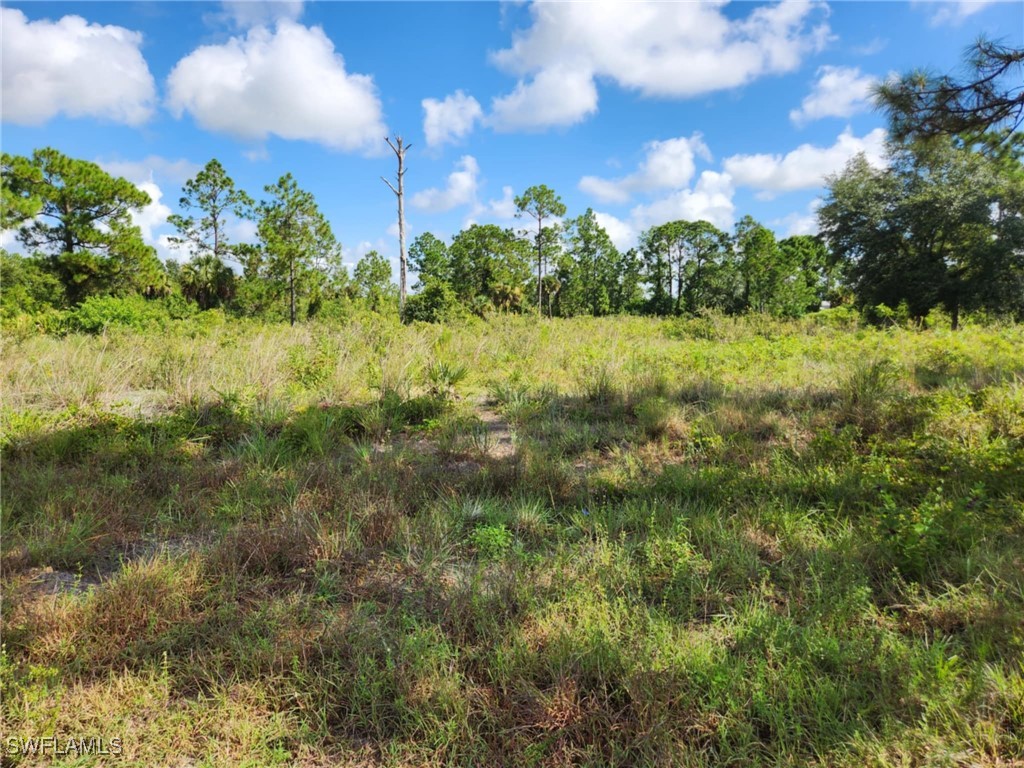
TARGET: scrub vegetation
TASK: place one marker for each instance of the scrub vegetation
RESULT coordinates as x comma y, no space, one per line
606,541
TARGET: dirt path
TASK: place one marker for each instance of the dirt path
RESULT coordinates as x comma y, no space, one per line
499,432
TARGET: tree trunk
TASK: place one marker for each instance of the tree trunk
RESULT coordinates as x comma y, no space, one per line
401,232
679,283
291,288
540,285
69,238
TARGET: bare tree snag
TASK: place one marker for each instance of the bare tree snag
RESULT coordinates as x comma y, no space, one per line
400,149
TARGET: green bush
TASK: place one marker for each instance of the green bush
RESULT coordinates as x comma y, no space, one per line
436,303
98,313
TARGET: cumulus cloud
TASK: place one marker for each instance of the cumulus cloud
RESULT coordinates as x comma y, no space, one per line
449,120
288,82
673,50
800,222
152,218
622,233
74,68
838,92
710,200
153,215
667,164
806,166
460,189
557,96
502,210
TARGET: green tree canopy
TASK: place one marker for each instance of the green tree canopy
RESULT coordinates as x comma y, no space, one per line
692,256
212,193
372,277
590,270
207,280
489,267
429,257
540,203
27,286
80,216
300,251
816,274
921,104
939,227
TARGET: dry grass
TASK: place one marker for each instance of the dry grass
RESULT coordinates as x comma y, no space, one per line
756,544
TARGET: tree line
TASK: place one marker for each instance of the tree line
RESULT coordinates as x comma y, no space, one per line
75,221
940,226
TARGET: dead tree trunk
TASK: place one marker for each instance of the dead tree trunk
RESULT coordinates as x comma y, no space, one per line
400,149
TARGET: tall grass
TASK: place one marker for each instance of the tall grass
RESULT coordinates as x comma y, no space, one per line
722,541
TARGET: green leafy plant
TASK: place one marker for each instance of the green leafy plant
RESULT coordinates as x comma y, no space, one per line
491,541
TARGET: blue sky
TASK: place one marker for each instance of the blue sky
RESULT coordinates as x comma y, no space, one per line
645,112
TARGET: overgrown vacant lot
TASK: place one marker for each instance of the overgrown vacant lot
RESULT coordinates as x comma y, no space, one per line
521,542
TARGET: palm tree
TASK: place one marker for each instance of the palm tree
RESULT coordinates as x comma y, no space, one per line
208,281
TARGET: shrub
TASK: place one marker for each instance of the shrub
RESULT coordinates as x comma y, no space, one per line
443,376
313,367
436,303
97,313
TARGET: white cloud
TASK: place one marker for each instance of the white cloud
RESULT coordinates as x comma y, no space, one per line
838,92
289,82
666,165
622,233
557,96
449,120
806,166
460,188
72,67
152,216
503,208
674,50
710,200
8,240
953,12
800,223
241,230
153,166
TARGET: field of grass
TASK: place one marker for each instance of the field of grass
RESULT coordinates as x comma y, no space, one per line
618,541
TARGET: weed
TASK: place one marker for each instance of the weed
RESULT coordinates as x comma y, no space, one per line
491,541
